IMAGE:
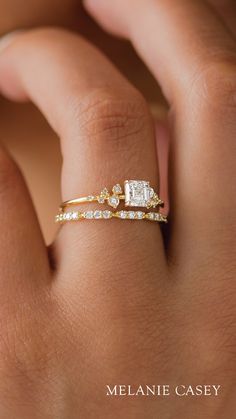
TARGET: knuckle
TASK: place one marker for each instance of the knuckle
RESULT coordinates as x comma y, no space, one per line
111,117
215,84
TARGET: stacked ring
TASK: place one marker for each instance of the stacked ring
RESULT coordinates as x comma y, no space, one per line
136,193
106,215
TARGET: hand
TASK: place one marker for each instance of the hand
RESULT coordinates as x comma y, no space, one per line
115,306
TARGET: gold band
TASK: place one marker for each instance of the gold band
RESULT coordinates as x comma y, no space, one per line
106,215
136,193
87,199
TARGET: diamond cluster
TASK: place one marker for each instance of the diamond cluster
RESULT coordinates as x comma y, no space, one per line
137,193
112,199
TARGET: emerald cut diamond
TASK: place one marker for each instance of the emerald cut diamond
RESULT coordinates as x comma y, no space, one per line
138,193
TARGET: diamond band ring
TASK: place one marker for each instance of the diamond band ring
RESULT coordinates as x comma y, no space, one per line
136,193
106,215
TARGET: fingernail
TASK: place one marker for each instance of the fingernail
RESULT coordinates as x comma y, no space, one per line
7,39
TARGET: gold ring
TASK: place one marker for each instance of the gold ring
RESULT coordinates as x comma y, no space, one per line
135,193
63,217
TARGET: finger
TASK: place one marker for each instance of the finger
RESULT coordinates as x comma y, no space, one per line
173,39
23,257
106,135
227,9
192,54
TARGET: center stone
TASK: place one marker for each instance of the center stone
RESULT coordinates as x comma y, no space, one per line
137,193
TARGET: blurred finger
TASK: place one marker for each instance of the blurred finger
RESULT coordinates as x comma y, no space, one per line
192,53
226,9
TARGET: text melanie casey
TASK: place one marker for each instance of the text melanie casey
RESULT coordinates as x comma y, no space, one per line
181,390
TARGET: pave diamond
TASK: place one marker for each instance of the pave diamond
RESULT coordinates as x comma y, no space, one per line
113,201
107,214
138,193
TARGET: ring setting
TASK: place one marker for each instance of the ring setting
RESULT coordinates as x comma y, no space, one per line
134,193
138,193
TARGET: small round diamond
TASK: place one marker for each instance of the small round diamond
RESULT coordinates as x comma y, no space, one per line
90,198
104,192
131,215
61,217
117,189
157,217
113,201
139,215
107,214
75,215
97,214
101,199
123,214
88,214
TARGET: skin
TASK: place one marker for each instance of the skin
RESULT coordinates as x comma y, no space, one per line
24,131
43,159
109,302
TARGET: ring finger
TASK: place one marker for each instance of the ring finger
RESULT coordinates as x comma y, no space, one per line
106,135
